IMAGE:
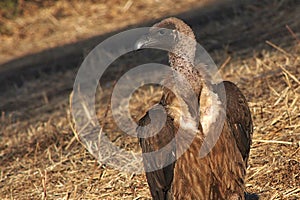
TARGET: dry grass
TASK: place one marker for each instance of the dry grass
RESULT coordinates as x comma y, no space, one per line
271,83
40,157
69,21
44,159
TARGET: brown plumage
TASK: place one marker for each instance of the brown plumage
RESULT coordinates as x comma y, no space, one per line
218,175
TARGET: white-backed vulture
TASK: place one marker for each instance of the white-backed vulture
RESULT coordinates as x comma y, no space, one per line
218,175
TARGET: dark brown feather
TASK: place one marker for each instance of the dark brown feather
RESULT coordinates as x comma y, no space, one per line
238,115
158,180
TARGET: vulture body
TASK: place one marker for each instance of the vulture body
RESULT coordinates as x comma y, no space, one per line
218,175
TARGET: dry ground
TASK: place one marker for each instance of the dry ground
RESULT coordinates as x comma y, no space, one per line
62,22
41,159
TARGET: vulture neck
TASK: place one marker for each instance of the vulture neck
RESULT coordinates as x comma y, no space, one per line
182,61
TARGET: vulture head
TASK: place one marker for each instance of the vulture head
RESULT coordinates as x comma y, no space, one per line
173,35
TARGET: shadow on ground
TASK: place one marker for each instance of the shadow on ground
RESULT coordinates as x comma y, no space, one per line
231,29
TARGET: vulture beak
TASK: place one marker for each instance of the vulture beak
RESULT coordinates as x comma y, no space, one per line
143,42
163,39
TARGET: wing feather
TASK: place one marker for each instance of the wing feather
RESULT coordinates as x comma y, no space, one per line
159,180
238,116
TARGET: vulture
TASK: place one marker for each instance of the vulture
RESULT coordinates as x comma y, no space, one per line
218,175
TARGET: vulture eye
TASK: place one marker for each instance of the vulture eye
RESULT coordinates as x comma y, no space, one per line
162,32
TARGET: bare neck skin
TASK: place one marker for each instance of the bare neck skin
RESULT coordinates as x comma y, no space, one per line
182,59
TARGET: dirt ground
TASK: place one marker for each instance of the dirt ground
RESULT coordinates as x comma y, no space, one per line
256,44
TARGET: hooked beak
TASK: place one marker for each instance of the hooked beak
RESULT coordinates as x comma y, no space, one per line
143,42
140,43
154,41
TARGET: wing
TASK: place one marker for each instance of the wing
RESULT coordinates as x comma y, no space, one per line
159,180
238,116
